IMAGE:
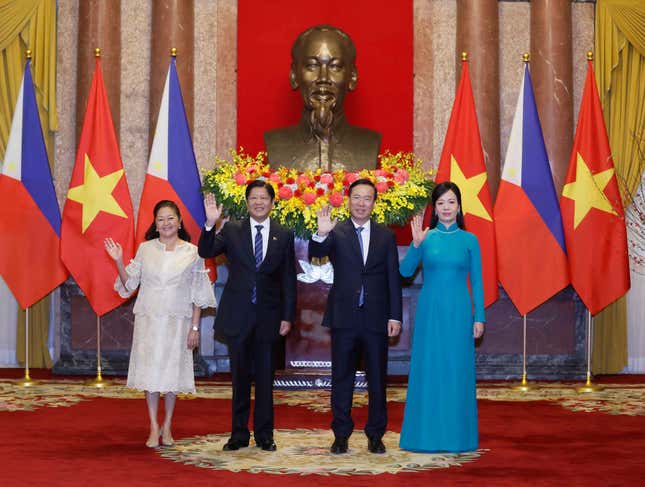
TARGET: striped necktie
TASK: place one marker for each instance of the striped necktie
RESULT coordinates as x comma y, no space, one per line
258,256
359,230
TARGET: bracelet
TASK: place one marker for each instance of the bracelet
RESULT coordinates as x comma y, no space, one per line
195,327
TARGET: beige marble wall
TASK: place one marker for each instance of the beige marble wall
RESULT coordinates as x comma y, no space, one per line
65,139
514,41
215,76
582,18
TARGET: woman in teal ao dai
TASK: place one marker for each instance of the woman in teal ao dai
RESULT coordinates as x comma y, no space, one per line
441,405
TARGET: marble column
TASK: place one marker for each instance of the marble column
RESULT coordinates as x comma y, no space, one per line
478,35
226,81
99,25
172,26
552,75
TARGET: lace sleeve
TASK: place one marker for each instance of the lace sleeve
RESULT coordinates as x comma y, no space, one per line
201,289
134,276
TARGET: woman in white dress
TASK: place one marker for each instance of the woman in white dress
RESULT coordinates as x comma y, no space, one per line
173,287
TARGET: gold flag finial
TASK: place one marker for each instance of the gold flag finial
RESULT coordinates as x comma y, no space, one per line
589,56
97,52
464,56
28,54
526,57
173,51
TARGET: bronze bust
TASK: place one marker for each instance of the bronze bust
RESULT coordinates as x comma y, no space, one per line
323,70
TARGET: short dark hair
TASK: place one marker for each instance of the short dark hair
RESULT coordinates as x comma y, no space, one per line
438,191
364,181
152,232
350,48
260,183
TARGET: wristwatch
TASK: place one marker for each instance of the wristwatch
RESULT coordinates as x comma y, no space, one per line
195,328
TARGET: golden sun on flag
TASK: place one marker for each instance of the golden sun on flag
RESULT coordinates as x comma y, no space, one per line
587,191
95,194
470,188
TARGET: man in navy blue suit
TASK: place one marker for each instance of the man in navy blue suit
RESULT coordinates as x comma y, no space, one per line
258,305
363,309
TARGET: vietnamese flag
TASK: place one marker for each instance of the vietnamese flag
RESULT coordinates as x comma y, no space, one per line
592,210
462,162
29,215
98,205
172,168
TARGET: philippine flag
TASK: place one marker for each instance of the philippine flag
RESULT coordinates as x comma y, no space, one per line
29,214
172,168
531,252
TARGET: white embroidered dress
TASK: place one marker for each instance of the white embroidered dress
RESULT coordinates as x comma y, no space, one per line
169,282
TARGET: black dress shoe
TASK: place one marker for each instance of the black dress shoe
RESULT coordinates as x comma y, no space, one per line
375,445
339,446
267,445
232,445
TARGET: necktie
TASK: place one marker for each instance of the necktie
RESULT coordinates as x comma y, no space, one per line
361,297
258,256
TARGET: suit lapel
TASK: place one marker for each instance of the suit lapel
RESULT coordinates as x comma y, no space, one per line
375,234
352,236
245,236
274,240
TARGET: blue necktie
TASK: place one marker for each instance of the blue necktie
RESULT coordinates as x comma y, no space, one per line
258,256
361,297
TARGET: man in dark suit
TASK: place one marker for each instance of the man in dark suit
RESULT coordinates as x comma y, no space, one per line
363,309
258,305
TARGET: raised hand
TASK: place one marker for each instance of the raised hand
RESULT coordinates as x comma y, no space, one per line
212,209
418,233
113,249
325,223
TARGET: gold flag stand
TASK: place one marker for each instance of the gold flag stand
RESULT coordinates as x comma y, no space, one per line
523,386
98,381
589,386
26,381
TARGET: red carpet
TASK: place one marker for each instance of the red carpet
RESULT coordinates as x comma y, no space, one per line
99,441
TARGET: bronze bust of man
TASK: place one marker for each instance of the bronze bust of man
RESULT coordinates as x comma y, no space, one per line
323,70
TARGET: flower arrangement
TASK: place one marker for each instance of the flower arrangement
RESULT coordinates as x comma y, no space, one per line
402,185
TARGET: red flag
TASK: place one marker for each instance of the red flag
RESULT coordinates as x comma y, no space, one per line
592,210
462,162
98,205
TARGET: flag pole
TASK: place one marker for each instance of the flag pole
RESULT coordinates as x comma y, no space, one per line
589,386
523,386
27,381
98,382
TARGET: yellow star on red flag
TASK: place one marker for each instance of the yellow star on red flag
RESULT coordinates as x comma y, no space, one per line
587,191
95,194
470,188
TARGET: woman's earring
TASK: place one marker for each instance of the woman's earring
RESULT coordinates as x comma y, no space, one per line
180,226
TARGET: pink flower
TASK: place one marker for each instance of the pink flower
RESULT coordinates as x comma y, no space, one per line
381,187
336,199
401,176
380,173
326,178
275,177
303,180
240,179
309,198
349,178
285,193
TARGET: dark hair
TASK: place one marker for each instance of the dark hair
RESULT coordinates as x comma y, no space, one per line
438,191
350,48
260,183
152,232
358,182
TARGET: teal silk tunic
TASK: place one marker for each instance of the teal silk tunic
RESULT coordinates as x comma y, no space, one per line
441,405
